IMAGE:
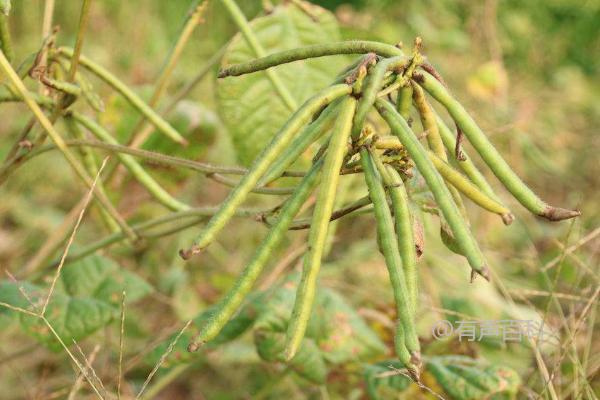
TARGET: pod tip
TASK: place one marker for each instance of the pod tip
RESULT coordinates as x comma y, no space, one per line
187,254
194,346
559,214
414,368
507,218
484,271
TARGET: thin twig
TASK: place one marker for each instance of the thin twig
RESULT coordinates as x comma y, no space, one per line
80,377
72,237
121,341
162,359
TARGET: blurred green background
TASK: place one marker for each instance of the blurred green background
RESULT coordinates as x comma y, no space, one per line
528,72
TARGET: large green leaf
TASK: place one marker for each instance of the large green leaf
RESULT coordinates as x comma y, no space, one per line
86,298
101,278
72,319
464,378
249,104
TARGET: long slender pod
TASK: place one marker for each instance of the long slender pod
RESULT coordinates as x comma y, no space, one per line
404,101
139,104
406,341
372,85
314,51
470,190
404,231
490,155
403,225
309,135
434,139
338,146
138,172
264,160
438,188
465,164
231,302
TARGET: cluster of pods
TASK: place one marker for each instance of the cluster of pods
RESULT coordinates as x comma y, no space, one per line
386,80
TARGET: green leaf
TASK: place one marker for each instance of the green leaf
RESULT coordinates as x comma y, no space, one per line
308,362
103,279
464,378
71,318
383,385
343,335
249,106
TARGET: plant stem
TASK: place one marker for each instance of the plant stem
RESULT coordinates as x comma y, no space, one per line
142,131
160,124
138,172
242,23
58,140
314,51
5,42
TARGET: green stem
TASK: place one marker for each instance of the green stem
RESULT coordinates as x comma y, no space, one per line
264,160
229,305
138,172
5,42
90,163
142,131
58,140
406,340
242,23
194,215
83,20
438,188
160,124
338,146
491,156
314,51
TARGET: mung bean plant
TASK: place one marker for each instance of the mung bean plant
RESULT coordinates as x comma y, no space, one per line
388,82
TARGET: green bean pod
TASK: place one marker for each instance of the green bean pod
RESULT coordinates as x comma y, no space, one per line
309,135
138,172
491,156
260,165
314,51
338,146
437,186
404,231
466,165
234,298
372,85
404,101
406,341
139,104
460,182
434,139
